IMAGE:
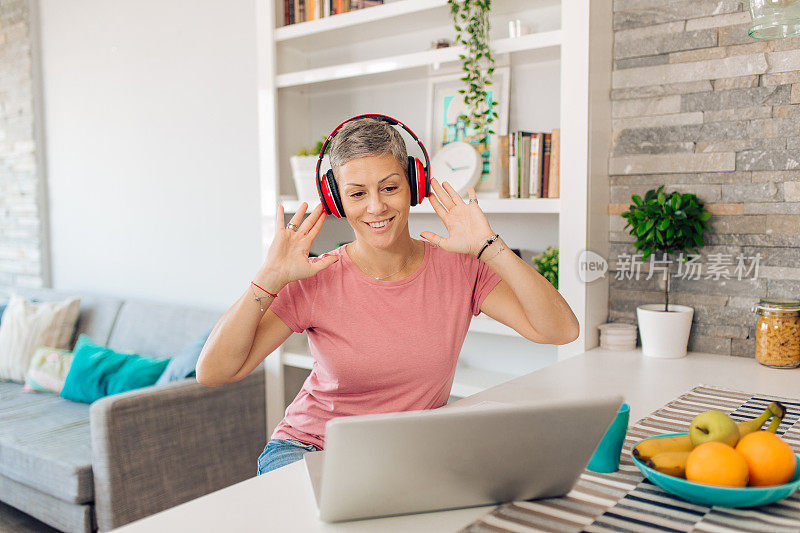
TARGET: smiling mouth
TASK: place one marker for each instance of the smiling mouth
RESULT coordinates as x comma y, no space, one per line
380,224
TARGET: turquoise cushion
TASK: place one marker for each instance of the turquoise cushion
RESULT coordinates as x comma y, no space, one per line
98,371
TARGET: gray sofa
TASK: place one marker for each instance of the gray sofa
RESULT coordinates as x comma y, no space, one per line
82,468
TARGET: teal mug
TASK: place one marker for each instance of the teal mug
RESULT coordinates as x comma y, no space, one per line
606,456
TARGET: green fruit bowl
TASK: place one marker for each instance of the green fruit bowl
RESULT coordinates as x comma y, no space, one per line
704,494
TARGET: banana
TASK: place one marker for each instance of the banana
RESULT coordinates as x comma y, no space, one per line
773,426
670,463
775,409
647,449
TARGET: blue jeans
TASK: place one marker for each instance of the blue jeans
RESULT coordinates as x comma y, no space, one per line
282,452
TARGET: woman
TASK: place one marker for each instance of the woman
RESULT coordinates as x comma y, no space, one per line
386,314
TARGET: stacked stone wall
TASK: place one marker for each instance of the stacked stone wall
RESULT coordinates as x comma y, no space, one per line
701,107
22,205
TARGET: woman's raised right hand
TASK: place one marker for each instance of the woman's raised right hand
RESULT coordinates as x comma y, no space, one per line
287,257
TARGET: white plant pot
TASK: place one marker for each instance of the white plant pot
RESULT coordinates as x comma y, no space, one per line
664,334
304,175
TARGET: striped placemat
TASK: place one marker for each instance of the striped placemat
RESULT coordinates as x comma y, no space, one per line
625,501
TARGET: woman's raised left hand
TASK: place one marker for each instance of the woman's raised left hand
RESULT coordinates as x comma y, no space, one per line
467,227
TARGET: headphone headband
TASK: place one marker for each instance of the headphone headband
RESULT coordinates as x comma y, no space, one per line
329,198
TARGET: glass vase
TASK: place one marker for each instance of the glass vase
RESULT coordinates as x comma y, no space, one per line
774,19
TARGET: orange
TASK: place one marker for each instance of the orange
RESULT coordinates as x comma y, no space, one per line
770,459
716,463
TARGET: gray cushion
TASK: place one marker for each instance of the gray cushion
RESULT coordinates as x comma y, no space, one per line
97,313
45,443
169,328
73,517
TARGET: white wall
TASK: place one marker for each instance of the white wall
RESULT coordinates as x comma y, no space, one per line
152,162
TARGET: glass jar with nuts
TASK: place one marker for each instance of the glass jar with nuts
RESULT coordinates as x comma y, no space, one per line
778,333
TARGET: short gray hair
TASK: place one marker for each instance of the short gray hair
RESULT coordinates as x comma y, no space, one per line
365,137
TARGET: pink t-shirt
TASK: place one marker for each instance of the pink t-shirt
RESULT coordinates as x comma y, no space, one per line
379,346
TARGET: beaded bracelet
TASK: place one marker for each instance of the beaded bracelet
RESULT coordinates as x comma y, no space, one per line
488,242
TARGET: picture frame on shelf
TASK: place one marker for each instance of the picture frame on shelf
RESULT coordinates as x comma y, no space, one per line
445,104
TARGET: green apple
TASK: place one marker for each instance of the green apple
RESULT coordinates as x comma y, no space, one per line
713,426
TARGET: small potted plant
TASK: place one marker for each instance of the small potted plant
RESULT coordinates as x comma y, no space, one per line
666,223
304,165
547,264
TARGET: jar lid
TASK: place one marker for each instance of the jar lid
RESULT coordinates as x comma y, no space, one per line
777,304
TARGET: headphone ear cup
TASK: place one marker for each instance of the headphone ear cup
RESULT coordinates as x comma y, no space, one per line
336,209
423,182
412,180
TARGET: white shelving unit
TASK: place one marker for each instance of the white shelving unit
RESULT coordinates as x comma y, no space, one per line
398,64
398,17
315,74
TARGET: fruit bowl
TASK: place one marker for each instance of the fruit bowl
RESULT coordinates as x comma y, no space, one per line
703,494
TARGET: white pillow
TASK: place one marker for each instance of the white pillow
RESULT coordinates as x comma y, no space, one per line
26,326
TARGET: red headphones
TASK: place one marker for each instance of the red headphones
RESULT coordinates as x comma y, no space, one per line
418,174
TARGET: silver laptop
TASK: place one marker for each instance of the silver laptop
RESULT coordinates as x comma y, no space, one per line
410,462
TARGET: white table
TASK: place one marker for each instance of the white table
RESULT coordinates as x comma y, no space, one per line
282,500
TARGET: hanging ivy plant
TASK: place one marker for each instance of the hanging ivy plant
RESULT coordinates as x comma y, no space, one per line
471,21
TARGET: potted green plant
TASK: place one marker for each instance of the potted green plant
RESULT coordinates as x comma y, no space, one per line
547,264
666,223
304,164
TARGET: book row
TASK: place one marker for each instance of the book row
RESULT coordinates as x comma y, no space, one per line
527,164
295,11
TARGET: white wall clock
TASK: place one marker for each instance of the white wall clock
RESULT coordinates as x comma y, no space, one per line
458,163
